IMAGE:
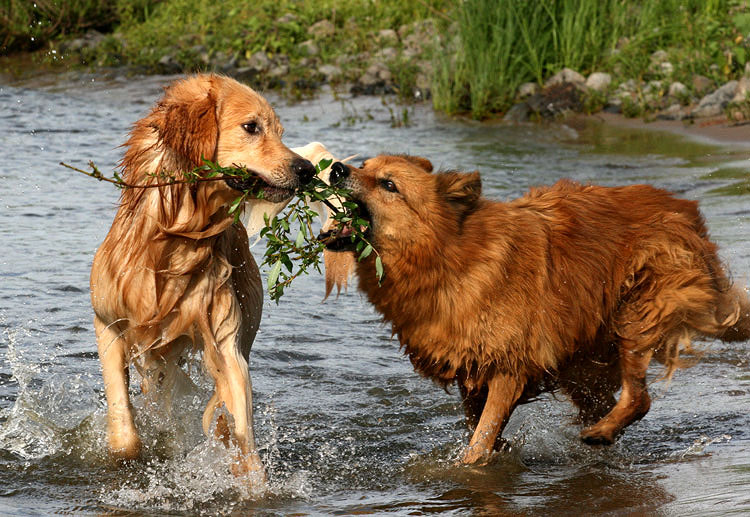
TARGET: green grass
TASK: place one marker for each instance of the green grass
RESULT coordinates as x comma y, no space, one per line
31,24
486,48
240,28
500,44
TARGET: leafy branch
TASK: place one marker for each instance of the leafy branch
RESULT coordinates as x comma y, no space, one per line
281,251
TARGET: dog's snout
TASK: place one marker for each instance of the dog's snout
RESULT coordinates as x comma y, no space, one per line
339,172
304,170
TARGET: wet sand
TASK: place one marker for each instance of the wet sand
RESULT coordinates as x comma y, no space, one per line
715,130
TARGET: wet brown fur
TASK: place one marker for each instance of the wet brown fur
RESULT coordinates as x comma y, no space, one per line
175,272
572,286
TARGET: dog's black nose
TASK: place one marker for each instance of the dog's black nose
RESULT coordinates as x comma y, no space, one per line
339,172
304,170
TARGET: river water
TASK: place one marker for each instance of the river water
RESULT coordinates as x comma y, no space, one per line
344,424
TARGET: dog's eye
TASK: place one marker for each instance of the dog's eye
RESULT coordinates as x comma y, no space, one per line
388,185
251,127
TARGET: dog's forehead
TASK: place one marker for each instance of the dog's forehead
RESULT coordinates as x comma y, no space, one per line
245,104
392,164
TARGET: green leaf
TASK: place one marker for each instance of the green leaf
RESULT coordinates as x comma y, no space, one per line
300,239
366,253
323,164
273,275
379,268
236,204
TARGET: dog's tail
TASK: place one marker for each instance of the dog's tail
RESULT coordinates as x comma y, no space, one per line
736,304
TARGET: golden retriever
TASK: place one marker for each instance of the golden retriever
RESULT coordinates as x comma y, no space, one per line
571,286
175,273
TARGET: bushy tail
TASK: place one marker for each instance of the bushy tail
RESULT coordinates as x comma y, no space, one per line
739,329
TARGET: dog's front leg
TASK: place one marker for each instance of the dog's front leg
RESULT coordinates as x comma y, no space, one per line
122,436
503,393
234,390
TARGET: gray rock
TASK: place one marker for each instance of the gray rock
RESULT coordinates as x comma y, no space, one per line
701,84
628,86
309,48
566,75
287,18
673,112
367,79
666,68
245,74
321,29
169,64
743,88
518,113
714,103
411,53
330,71
91,39
527,89
614,105
660,56
380,72
677,89
278,71
387,36
259,61
387,54
599,81
653,87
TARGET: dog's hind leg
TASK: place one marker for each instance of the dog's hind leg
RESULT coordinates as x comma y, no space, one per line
591,380
122,435
229,370
503,394
634,401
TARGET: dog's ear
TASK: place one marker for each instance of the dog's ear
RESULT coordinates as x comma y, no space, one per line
189,126
461,190
424,163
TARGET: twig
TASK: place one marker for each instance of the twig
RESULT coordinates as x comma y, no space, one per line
96,173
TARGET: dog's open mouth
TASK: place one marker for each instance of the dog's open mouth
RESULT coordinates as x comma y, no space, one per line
256,185
342,235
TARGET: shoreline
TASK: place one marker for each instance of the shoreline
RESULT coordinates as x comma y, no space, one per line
718,130
711,130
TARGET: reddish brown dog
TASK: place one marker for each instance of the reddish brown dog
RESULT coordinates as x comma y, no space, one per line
571,286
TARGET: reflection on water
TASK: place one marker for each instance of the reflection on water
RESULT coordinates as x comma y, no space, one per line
344,425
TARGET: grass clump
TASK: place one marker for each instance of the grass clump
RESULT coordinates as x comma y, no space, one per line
499,44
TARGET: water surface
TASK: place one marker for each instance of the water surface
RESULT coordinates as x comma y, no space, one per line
344,425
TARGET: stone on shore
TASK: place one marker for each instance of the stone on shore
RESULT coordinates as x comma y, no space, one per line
527,89
743,88
677,89
330,72
599,81
309,48
714,103
701,84
674,112
321,29
566,75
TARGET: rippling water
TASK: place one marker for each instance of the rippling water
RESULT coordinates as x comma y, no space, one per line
344,425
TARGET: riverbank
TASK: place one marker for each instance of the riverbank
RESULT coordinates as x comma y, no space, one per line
664,59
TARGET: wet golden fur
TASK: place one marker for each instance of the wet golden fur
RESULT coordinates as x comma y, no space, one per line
571,286
175,272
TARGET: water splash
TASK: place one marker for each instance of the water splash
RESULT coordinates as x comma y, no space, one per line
699,446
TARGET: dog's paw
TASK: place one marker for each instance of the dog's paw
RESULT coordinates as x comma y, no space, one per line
597,436
477,456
